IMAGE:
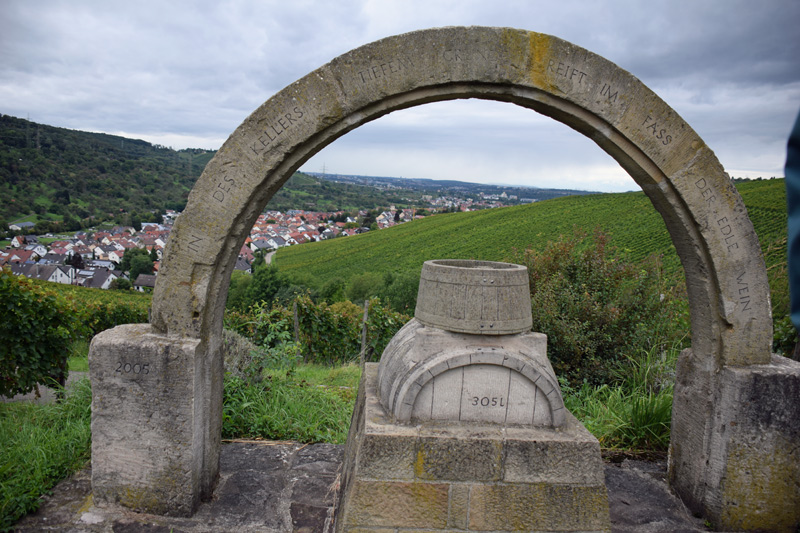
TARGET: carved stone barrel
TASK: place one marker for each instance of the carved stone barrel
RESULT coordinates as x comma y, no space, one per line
479,297
469,354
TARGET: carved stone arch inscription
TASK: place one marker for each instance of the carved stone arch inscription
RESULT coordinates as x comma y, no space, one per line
725,273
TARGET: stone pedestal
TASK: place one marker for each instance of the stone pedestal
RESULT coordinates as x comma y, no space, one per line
739,467
156,415
440,476
462,427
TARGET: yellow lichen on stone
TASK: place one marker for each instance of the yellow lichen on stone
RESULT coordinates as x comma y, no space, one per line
140,498
759,488
419,465
87,504
540,53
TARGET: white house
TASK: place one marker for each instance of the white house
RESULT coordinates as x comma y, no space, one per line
51,273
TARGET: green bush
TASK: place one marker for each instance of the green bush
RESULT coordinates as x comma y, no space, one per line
596,308
327,333
37,328
97,310
333,290
237,291
277,349
382,324
264,285
99,316
364,286
400,291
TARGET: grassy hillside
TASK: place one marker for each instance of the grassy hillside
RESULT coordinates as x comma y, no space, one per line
635,227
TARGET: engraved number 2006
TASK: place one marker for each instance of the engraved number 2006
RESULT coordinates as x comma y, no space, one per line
486,401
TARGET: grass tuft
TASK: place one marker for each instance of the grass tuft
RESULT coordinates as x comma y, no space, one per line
78,356
42,444
307,403
636,412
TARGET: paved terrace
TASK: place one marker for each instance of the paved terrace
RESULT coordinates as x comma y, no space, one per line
271,486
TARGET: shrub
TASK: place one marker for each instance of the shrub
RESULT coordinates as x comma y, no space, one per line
264,284
99,315
260,322
327,333
382,324
400,291
240,281
35,333
120,284
333,290
364,286
596,308
98,310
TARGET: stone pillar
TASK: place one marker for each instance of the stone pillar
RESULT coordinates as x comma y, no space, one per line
156,415
744,459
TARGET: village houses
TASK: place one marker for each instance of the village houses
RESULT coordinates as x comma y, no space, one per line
92,259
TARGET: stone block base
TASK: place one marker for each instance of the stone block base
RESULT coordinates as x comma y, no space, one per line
749,445
467,477
156,410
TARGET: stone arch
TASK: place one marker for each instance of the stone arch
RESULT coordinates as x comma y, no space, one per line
708,223
725,273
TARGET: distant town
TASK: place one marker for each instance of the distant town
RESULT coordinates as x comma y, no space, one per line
96,258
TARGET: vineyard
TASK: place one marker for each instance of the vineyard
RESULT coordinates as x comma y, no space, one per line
99,310
766,205
636,230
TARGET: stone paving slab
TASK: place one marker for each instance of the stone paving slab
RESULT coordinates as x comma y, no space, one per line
46,394
279,487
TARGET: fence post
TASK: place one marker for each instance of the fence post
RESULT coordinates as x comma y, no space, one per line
361,357
296,322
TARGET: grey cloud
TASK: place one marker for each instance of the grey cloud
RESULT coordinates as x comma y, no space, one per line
731,68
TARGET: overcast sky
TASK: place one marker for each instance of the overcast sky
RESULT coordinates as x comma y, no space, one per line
186,74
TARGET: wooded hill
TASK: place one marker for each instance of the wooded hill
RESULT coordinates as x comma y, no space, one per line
461,189
312,193
60,174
